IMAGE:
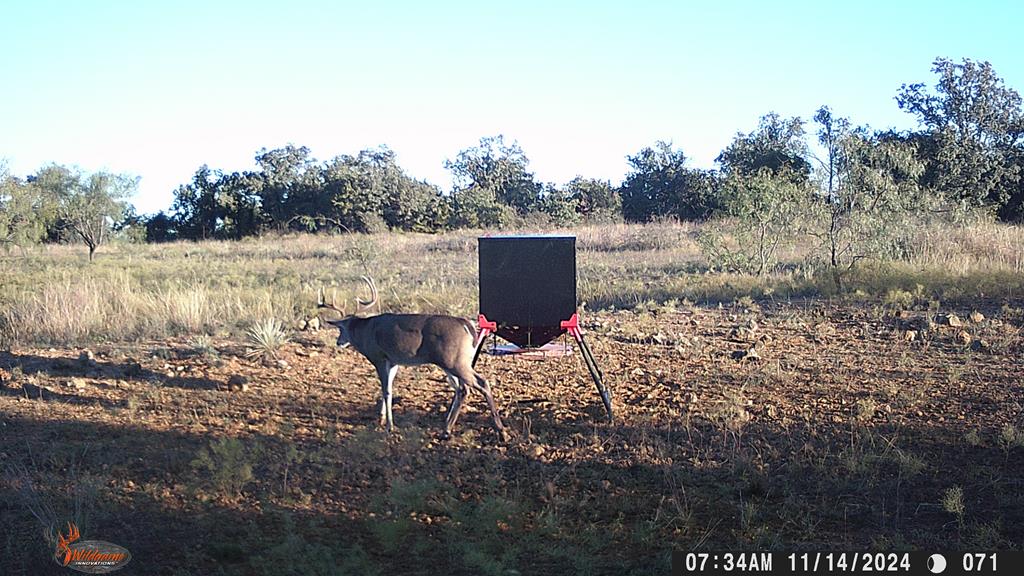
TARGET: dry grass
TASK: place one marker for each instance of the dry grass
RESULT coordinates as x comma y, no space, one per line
53,295
982,246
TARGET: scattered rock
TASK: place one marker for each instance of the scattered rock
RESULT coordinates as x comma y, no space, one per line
741,333
300,325
980,345
5,377
951,320
270,361
238,383
748,354
133,370
313,324
977,317
76,383
916,322
910,335
87,359
964,337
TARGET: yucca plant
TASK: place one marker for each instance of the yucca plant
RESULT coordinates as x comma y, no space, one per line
268,336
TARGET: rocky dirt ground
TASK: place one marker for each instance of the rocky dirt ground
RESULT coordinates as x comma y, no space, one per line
759,426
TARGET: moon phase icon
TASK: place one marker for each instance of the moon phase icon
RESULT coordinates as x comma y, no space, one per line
936,563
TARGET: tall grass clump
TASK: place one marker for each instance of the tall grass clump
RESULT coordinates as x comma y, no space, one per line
66,311
183,309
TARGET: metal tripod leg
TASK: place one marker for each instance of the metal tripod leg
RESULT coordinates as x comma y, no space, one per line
595,372
479,346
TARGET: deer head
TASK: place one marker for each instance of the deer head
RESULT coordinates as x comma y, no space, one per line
342,324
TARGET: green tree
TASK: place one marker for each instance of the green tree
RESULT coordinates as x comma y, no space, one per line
161,228
292,191
559,206
359,188
288,184
661,185
476,207
237,204
416,206
131,226
777,145
1013,209
974,124
766,207
869,195
87,206
499,169
197,208
26,212
596,200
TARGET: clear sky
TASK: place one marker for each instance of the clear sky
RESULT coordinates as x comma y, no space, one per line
156,89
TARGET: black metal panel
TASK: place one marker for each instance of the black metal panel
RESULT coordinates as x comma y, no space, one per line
528,285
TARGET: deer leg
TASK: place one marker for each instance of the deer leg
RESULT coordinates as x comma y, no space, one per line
382,374
386,372
454,382
456,407
478,382
392,372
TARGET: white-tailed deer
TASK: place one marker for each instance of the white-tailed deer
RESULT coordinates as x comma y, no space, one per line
392,340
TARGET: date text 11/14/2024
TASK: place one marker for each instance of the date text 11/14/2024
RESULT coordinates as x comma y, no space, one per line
906,563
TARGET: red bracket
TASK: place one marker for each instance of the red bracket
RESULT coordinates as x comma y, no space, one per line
486,328
572,325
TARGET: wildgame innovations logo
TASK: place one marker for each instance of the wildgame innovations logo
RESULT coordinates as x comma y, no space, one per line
89,556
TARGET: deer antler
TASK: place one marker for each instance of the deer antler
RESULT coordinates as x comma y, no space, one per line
321,302
373,293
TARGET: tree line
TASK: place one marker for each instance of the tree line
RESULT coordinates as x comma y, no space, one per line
967,154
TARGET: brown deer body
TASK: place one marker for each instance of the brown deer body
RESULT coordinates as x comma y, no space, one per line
389,341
